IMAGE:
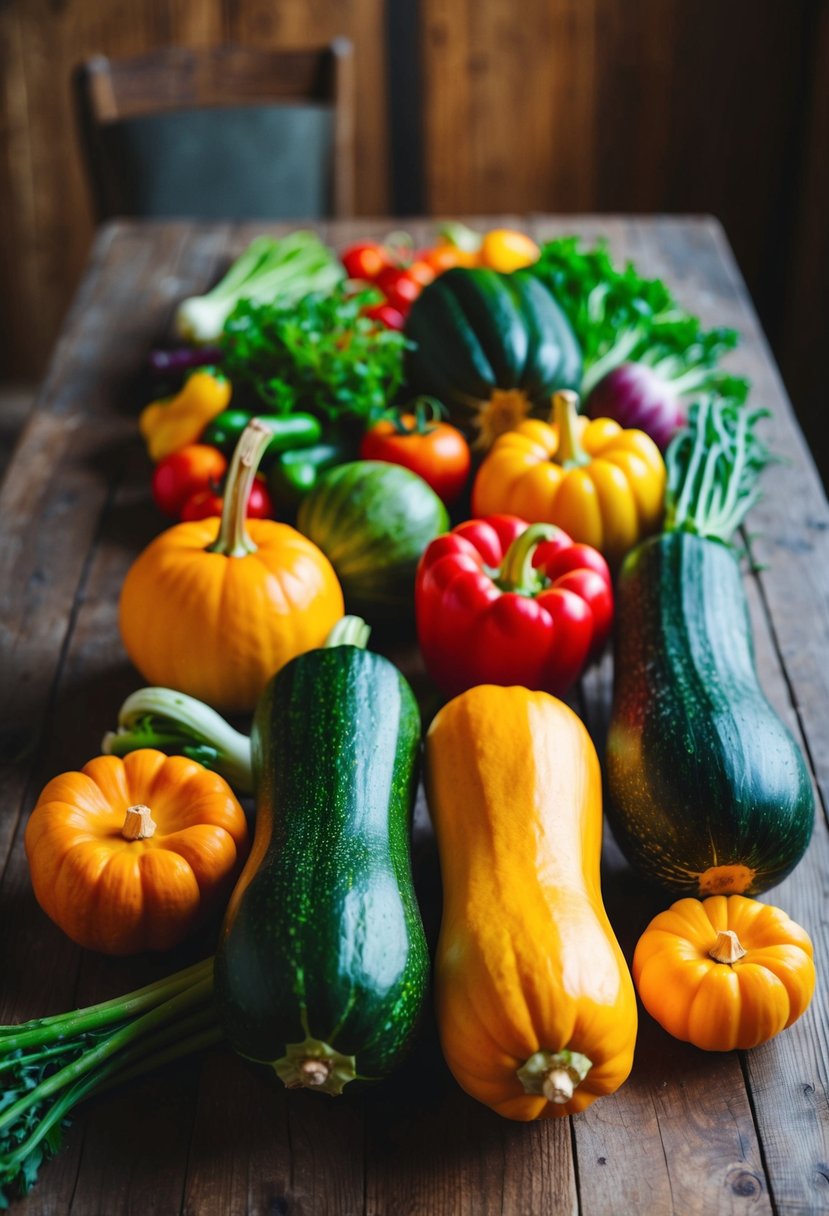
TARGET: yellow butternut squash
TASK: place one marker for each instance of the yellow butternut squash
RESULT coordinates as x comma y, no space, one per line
535,1004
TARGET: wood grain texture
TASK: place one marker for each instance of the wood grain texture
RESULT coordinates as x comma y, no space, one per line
689,1132
44,198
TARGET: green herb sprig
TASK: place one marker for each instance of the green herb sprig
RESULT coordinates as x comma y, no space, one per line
321,355
619,316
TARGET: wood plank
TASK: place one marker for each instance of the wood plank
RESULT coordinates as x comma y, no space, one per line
69,665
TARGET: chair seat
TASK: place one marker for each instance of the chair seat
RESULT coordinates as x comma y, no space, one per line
236,162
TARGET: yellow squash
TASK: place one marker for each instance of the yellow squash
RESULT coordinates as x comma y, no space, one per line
728,972
535,1004
130,855
603,485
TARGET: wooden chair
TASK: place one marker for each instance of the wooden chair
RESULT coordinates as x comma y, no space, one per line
201,132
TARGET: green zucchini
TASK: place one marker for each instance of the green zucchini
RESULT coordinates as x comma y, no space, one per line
322,964
492,347
708,791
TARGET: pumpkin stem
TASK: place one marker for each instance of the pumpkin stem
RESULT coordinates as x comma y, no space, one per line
233,539
727,947
138,823
554,1075
517,571
569,454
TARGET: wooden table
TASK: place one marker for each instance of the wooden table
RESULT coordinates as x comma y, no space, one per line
688,1133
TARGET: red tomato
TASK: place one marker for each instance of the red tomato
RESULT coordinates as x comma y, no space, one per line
178,476
365,260
421,271
205,503
399,288
392,318
436,451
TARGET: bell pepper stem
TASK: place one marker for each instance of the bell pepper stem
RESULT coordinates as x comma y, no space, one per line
233,539
349,631
570,453
517,571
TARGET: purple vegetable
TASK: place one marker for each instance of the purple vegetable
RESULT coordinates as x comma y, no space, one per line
182,359
635,395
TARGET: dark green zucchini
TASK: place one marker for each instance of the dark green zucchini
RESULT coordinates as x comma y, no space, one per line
322,964
709,793
492,347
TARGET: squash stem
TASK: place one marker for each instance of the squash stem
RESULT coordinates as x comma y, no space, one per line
233,539
569,454
554,1075
313,1064
517,571
349,631
727,948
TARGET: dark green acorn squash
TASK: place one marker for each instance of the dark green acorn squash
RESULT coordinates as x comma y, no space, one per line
709,792
492,347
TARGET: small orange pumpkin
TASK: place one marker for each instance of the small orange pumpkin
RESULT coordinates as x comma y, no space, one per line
728,972
215,608
129,855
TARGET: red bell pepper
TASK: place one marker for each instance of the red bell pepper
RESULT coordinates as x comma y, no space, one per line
501,602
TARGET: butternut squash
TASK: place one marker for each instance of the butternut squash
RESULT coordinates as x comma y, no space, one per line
535,1004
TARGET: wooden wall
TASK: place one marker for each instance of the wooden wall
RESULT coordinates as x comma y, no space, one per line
469,106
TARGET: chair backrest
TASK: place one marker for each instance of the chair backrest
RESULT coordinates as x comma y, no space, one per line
220,131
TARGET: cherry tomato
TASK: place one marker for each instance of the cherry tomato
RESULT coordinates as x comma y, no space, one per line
364,260
392,318
434,450
205,503
178,476
399,288
421,271
446,256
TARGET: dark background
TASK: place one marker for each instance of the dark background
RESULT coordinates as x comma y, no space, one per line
473,106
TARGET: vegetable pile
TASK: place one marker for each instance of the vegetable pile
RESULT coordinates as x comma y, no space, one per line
393,441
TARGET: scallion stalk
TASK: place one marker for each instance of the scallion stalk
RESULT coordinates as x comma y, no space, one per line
49,1065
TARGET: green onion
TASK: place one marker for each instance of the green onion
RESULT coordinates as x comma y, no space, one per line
49,1065
180,725
268,271
713,467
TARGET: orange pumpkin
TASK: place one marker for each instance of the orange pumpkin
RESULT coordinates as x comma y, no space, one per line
729,972
129,855
215,608
535,1004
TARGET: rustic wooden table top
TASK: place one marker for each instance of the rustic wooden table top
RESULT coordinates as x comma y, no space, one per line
689,1132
